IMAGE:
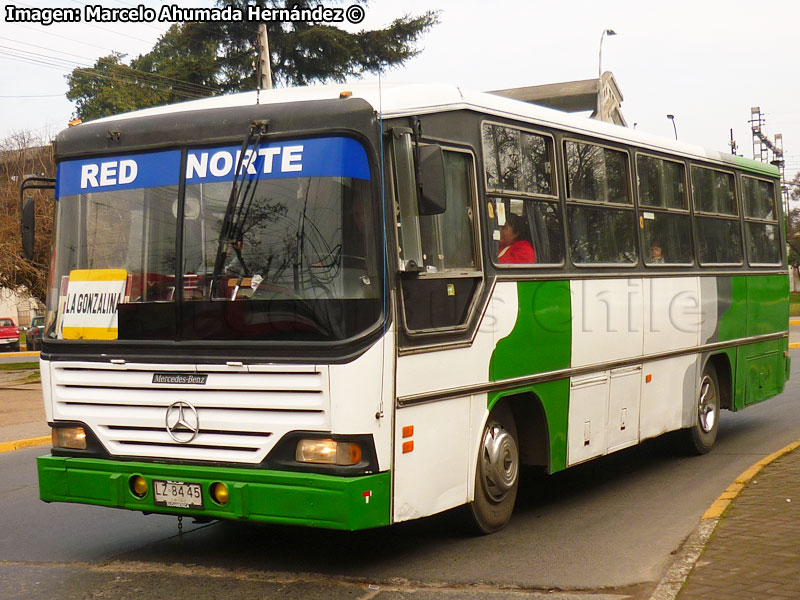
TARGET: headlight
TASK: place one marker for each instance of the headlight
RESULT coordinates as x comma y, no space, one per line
328,452
73,438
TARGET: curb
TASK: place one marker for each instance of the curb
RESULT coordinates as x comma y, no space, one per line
721,503
678,572
19,444
37,353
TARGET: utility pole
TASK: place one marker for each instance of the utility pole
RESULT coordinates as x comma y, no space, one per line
264,70
762,146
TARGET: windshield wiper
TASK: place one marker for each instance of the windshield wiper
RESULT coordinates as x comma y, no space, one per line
241,197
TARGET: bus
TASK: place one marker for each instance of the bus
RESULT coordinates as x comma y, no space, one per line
349,306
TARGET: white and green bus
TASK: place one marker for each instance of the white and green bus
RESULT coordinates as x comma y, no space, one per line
347,307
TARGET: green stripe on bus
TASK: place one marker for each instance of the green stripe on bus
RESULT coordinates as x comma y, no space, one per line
540,342
732,308
285,497
767,309
754,166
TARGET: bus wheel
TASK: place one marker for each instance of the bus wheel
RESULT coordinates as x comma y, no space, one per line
702,435
496,474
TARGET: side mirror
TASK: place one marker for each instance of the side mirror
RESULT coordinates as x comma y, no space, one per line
28,227
432,196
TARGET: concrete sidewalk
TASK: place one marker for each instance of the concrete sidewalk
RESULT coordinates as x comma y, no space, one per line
748,544
21,409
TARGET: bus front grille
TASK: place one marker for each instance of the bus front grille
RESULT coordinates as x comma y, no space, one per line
240,414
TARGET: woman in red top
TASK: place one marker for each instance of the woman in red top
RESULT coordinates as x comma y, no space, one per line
514,248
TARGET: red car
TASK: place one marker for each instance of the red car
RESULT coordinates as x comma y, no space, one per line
9,335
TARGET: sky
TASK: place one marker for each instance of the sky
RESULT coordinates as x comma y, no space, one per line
707,62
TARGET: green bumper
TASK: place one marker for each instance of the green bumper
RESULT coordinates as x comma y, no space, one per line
257,495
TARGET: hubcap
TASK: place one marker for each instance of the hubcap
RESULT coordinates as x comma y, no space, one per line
499,462
707,404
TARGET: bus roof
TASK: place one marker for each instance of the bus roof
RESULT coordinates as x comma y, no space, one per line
397,100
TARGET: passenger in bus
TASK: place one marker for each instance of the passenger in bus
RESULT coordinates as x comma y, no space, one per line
656,254
515,246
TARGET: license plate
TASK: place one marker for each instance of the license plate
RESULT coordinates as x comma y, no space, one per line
177,494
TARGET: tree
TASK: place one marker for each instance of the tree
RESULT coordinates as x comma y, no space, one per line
20,155
197,59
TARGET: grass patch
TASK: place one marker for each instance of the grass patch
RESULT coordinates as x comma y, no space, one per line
20,366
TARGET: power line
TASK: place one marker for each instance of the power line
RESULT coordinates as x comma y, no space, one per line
37,58
63,37
44,48
121,77
33,96
98,27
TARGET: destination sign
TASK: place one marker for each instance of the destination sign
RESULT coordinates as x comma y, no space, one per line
316,157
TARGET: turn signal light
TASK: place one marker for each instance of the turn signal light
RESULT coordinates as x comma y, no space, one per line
220,493
328,452
138,486
73,438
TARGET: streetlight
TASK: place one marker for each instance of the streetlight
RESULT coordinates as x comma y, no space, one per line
606,32
672,118
600,72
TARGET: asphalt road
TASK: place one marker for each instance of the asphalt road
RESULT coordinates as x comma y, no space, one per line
606,529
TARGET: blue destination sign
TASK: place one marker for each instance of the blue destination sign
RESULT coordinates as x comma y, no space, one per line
108,173
319,157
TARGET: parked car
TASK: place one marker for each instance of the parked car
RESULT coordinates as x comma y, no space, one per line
9,335
35,334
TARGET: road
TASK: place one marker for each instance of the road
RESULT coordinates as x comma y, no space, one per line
605,529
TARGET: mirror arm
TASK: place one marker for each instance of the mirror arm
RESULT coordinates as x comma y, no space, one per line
416,133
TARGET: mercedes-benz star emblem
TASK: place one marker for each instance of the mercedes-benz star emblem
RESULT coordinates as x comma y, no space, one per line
183,424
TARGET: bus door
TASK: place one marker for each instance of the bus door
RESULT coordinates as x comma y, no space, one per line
440,283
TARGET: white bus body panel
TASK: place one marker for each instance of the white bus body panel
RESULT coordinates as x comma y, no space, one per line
359,391
618,319
440,472
665,398
433,476
607,320
672,314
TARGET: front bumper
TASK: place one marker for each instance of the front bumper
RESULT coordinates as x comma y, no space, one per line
269,496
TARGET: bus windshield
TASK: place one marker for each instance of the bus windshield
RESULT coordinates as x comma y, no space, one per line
287,251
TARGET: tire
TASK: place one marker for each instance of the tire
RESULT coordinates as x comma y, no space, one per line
701,436
496,473
15,347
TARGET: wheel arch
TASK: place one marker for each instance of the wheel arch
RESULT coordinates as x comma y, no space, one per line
531,422
722,365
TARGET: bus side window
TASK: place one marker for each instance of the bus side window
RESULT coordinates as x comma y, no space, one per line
666,224
719,239
524,212
600,208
